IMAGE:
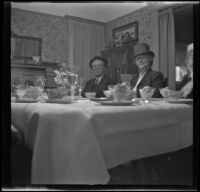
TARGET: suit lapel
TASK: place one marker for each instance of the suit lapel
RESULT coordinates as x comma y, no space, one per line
134,80
145,78
102,82
93,85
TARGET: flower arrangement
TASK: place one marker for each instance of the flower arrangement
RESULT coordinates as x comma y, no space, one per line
64,77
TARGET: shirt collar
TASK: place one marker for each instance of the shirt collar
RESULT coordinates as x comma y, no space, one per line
142,75
99,78
145,72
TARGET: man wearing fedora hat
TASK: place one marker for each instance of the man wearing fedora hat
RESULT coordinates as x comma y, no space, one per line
101,81
145,77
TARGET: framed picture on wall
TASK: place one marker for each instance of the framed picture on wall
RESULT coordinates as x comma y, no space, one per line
127,32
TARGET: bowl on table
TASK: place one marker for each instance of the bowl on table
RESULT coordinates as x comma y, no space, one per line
57,93
33,92
108,94
119,96
147,92
122,92
167,93
20,93
111,87
90,95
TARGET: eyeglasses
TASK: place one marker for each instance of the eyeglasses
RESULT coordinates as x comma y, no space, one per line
97,66
142,57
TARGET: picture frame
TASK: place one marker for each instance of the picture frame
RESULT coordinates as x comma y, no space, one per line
120,33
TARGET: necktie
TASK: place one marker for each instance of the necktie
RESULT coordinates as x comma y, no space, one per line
96,81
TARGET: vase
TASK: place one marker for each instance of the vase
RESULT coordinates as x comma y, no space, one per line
72,92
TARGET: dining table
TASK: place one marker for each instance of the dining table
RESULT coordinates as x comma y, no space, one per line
78,142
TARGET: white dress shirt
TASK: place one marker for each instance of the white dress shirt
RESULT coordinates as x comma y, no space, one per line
138,81
98,79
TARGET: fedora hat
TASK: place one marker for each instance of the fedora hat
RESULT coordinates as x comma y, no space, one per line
141,49
98,58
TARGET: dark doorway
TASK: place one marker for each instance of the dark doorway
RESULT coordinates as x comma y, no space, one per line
183,21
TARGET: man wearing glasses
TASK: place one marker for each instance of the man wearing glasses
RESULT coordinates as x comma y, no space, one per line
101,81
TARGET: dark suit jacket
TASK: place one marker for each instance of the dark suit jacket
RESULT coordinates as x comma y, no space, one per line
152,79
185,80
103,85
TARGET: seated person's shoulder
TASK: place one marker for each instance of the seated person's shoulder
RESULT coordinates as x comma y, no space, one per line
89,81
156,73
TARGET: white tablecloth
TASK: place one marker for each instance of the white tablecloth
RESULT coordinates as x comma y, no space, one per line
77,143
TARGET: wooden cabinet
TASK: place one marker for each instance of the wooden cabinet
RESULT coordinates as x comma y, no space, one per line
29,72
119,62
23,65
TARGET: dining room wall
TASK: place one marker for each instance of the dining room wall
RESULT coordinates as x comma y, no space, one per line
51,29
144,18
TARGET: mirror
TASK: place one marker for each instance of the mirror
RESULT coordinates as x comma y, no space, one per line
23,47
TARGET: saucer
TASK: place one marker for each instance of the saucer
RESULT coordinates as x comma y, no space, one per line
26,101
113,103
99,99
62,101
184,101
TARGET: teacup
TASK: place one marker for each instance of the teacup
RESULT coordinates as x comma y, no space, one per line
111,87
147,92
90,95
108,93
33,92
20,93
119,96
167,93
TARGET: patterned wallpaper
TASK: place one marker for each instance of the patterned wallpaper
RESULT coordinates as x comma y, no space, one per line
52,29
143,16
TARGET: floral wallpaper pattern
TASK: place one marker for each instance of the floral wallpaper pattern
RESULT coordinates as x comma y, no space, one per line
52,29
143,16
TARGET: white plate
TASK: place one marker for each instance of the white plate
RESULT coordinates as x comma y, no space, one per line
80,98
112,103
26,101
186,101
58,101
156,99
150,99
99,99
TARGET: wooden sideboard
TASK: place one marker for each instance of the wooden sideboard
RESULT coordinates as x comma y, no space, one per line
119,61
28,70
23,65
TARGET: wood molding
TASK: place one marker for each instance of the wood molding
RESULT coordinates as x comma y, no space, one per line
68,17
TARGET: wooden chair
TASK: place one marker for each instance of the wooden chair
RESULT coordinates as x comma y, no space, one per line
21,158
